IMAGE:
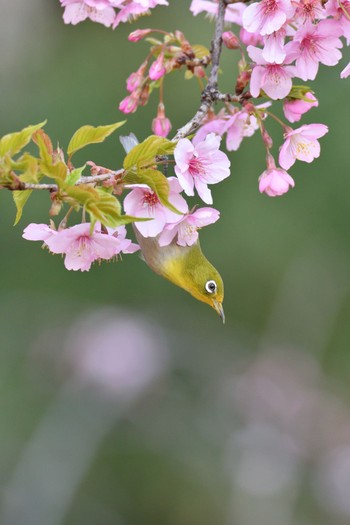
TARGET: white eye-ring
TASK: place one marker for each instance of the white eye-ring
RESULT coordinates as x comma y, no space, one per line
210,286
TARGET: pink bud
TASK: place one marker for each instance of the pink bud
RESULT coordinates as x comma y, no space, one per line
137,35
161,125
135,80
129,103
157,69
230,40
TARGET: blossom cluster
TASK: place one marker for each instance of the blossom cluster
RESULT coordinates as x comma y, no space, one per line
283,40
197,164
110,13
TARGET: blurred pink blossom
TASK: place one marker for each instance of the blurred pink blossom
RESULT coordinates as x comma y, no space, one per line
100,11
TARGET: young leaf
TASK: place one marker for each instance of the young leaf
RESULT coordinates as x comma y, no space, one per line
90,135
74,175
145,152
29,165
13,143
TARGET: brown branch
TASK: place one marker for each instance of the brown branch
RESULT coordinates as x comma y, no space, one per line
209,94
23,186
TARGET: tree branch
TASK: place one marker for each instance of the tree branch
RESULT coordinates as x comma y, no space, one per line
23,186
209,95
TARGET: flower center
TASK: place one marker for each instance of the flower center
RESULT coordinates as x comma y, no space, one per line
270,6
196,167
150,199
302,148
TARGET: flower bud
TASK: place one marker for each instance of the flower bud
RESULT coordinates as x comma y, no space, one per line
157,69
137,35
129,103
161,125
230,40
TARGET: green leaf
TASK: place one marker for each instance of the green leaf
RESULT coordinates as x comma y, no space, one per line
13,142
57,171
90,135
30,164
145,152
74,175
200,51
156,181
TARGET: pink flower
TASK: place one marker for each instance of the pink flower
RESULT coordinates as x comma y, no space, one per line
295,108
186,228
100,11
161,125
130,9
143,202
80,246
233,12
250,39
275,181
38,232
157,69
274,51
274,79
309,10
200,163
267,16
313,44
301,144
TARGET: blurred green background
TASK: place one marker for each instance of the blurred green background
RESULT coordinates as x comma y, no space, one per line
123,400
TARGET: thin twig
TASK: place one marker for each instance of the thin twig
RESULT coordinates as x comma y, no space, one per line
23,186
209,95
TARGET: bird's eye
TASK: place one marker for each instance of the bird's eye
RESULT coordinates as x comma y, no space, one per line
210,286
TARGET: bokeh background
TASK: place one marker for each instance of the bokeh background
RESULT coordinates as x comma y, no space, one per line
123,400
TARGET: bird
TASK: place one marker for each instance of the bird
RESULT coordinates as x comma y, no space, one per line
184,266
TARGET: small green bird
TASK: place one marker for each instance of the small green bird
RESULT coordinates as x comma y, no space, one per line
186,267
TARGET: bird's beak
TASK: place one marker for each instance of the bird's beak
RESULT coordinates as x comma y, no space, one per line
218,307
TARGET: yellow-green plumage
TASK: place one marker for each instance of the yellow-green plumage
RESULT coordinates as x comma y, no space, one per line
186,267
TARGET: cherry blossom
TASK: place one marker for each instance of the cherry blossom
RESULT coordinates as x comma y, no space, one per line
80,246
130,9
275,181
274,51
233,13
144,203
267,16
313,44
274,79
200,163
294,109
100,11
301,144
186,228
